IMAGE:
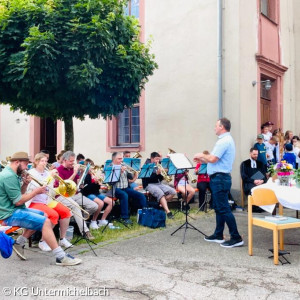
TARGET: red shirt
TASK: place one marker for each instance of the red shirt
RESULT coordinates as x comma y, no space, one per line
65,174
201,177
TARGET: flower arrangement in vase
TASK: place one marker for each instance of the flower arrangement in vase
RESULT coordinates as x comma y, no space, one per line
283,170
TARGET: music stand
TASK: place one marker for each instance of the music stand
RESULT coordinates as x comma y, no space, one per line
172,170
181,162
79,188
146,171
134,163
111,177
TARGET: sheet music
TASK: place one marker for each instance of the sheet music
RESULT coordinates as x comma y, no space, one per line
180,161
83,175
112,174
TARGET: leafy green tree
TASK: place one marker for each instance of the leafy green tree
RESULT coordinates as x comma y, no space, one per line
71,58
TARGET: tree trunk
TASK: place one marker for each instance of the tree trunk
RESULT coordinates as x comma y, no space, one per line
69,134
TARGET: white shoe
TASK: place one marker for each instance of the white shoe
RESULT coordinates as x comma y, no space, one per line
44,246
65,243
68,260
102,223
19,250
94,225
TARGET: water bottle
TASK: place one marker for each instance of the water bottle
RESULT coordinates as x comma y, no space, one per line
70,233
139,213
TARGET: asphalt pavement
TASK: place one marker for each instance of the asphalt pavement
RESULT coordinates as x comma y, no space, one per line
158,266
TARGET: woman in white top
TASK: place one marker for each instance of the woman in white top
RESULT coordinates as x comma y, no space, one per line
54,210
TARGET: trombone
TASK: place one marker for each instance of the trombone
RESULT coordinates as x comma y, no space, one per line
57,192
66,188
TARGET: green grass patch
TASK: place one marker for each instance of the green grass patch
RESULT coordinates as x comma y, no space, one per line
114,235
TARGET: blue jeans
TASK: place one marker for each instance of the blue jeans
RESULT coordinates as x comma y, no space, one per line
27,218
93,196
123,194
220,185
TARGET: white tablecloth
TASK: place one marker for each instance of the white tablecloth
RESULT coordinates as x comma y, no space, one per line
288,196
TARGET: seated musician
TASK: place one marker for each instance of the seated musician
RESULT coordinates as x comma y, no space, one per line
181,184
162,192
14,213
67,170
92,191
132,183
54,210
80,159
250,169
123,191
202,182
58,159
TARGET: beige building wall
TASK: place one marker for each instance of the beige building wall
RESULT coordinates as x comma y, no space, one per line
15,130
240,45
288,58
90,139
181,97
296,34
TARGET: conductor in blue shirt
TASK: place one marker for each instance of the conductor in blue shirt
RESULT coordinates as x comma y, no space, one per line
219,166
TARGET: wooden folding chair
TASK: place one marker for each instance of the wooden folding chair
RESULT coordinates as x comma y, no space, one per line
242,194
262,197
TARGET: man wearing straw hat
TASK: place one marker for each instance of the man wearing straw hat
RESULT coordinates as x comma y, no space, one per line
14,213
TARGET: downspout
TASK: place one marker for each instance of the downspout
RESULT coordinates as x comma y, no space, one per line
220,73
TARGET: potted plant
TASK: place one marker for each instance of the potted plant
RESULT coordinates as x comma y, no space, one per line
297,177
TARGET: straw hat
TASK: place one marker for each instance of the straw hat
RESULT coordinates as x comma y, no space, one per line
19,156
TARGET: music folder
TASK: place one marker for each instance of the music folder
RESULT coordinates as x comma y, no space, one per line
258,176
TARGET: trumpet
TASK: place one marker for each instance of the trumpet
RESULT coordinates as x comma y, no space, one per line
191,178
57,192
49,166
130,169
99,177
163,172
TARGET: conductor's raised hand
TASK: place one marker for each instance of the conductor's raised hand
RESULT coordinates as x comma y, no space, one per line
198,157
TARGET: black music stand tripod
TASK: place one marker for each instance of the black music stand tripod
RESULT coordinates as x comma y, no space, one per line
180,160
112,176
83,236
183,206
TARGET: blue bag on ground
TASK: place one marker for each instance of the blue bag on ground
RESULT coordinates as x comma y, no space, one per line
152,217
6,245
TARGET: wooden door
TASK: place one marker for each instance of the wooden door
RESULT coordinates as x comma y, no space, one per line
48,137
265,106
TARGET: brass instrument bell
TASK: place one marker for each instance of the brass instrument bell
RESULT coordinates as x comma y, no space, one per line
137,155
